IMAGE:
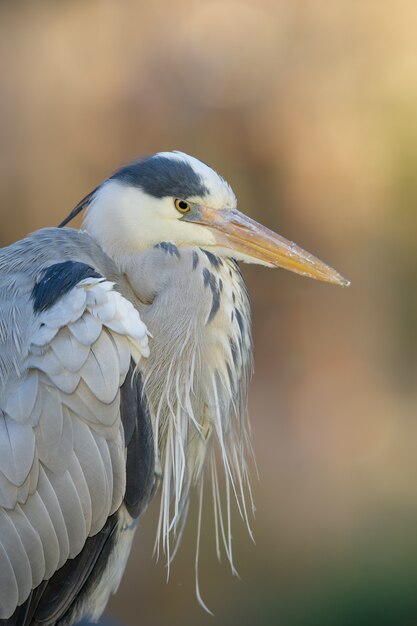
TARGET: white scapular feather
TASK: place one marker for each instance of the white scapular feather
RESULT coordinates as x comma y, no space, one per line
44,335
86,329
71,353
123,353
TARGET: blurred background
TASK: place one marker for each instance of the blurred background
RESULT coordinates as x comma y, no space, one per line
309,110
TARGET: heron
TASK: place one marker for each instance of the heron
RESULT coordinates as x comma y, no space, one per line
125,357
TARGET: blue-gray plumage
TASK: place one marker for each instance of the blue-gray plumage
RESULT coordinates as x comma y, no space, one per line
125,355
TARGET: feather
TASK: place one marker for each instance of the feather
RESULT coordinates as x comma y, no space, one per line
17,555
72,510
107,310
55,448
88,454
43,335
66,381
123,352
38,516
97,412
62,378
71,353
46,362
69,308
105,455
8,492
51,423
100,372
52,504
81,486
34,475
118,461
21,401
8,584
87,329
17,449
96,296
31,543
23,491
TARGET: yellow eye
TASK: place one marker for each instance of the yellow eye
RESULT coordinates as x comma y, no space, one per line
182,206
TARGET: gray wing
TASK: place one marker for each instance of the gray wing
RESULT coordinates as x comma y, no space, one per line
67,339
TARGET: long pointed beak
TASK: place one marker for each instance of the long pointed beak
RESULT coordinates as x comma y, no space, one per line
240,233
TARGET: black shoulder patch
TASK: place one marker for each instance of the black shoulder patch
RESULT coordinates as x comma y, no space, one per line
161,176
57,280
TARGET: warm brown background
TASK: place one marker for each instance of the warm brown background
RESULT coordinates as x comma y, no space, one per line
309,109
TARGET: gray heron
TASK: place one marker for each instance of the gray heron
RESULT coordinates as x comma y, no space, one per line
125,355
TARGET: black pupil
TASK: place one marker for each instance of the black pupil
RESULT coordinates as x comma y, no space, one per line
182,204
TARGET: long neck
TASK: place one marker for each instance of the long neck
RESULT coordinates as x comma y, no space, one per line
196,307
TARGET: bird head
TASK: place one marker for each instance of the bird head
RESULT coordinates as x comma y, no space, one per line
174,197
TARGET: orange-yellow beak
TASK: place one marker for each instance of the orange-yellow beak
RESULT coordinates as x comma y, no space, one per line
256,243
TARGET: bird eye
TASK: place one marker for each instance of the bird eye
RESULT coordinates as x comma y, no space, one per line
182,206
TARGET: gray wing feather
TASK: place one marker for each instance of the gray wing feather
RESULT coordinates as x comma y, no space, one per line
50,424
51,502
81,486
62,447
8,584
40,519
86,330
21,402
101,417
105,457
118,462
71,353
85,447
8,491
17,450
32,544
72,512
101,370
16,552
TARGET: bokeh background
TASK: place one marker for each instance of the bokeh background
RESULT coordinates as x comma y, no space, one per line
309,109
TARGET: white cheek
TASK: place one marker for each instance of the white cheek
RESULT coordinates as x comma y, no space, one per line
125,220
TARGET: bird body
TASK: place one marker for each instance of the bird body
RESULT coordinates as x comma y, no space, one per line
125,355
